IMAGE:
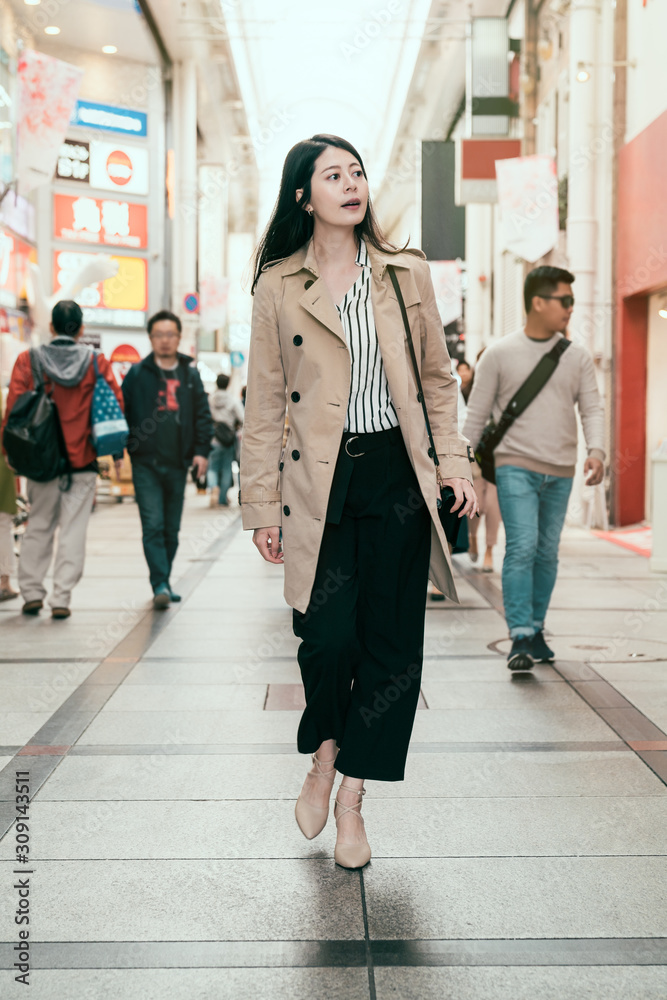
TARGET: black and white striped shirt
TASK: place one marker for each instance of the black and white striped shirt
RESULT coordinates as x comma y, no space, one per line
370,407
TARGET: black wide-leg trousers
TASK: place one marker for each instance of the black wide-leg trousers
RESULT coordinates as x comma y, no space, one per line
363,632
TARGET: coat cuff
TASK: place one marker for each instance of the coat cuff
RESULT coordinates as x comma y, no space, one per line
453,467
596,453
261,515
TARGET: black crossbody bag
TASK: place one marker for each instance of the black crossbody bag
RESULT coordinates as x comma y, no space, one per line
449,519
494,432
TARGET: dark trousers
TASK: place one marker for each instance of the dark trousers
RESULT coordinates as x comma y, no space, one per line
159,491
363,632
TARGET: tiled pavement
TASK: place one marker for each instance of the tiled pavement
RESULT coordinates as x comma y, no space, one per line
522,858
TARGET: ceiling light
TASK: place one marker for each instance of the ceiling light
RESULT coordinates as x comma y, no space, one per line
109,49
52,30
583,75
662,306
31,3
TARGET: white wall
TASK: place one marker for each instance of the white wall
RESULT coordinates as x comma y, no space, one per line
656,397
647,83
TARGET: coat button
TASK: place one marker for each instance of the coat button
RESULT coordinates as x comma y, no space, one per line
281,466
298,340
295,397
296,455
308,284
286,511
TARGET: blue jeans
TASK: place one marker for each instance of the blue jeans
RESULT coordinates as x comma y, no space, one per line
220,469
533,507
159,492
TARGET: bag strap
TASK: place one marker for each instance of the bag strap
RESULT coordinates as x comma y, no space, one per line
527,392
36,368
420,391
97,371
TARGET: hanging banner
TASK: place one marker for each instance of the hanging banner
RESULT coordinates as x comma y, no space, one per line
528,199
446,275
48,89
213,295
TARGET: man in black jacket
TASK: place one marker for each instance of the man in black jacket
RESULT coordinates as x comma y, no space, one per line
170,429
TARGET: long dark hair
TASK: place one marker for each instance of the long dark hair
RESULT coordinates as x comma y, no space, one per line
290,226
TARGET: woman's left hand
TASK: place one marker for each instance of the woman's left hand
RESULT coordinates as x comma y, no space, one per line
464,493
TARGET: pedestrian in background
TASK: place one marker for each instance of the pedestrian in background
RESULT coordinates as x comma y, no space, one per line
62,505
170,424
227,413
535,460
7,512
487,494
357,508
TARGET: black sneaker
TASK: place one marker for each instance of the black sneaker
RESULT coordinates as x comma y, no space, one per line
520,656
540,650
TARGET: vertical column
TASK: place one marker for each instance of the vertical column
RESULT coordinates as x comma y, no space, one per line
581,222
184,256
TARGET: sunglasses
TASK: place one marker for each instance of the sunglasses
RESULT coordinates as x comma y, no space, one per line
567,301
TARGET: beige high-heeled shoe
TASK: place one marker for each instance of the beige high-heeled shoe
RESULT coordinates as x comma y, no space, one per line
312,819
351,855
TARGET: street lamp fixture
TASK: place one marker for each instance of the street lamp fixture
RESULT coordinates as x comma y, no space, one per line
584,68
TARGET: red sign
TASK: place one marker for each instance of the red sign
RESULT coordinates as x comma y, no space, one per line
101,221
122,358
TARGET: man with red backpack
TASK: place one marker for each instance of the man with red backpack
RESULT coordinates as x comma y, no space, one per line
69,372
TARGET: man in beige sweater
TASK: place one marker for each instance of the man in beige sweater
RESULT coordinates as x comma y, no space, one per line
535,461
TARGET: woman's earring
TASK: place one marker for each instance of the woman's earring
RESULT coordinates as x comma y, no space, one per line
310,212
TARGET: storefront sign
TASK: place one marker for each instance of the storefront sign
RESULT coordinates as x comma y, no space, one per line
119,168
48,89
74,161
126,291
109,118
100,221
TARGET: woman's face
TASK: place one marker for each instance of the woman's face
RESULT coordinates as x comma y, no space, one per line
338,189
464,371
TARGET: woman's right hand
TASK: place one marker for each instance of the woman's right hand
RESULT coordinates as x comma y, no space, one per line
267,541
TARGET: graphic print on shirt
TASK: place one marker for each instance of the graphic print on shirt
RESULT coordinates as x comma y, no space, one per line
166,397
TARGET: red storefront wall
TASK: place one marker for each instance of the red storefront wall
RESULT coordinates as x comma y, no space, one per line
641,269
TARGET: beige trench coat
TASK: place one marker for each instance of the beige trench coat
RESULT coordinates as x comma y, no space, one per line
299,357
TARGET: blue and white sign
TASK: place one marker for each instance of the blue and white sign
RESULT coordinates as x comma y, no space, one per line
109,118
237,359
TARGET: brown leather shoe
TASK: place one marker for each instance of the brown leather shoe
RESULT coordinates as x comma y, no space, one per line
60,612
32,607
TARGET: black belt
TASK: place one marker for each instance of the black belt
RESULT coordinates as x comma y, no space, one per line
356,445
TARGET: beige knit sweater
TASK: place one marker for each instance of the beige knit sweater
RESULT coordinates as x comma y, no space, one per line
544,438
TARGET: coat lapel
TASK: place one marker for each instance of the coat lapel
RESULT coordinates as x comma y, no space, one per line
317,301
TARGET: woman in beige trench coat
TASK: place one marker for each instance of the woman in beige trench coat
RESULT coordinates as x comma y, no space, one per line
350,503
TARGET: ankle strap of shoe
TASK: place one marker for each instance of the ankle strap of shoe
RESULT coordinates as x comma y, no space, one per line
318,764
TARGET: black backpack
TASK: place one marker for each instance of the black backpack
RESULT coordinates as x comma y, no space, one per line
33,438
